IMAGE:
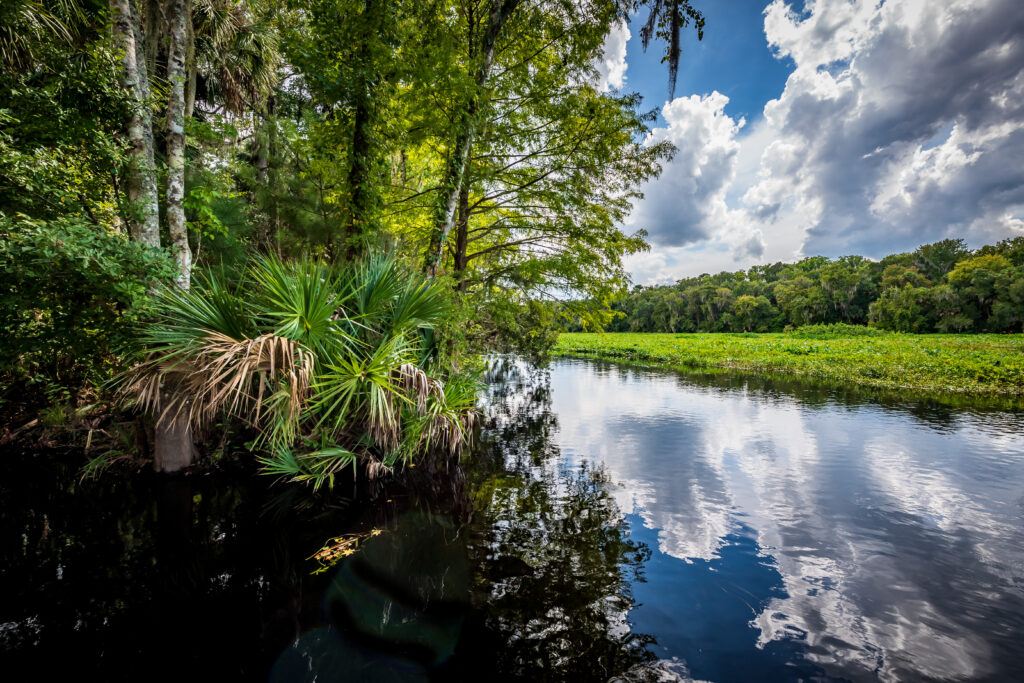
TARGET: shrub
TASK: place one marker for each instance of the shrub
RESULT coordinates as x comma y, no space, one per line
332,367
835,330
70,294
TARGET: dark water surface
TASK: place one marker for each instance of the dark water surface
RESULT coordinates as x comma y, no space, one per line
614,524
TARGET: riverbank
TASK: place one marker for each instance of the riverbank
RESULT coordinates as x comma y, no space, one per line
977,364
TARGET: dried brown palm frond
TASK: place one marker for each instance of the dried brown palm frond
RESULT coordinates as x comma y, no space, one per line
375,468
412,379
224,375
445,428
383,422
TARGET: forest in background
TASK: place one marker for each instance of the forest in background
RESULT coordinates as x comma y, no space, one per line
940,287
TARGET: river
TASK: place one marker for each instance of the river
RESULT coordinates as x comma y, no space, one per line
612,524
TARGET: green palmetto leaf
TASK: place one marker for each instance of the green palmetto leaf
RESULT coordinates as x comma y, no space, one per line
302,301
185,318
376,283
366,388
422,303
307,353
316,468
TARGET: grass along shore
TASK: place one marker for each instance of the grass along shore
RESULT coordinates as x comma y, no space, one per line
966,364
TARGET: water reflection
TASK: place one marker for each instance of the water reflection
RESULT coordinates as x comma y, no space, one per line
553,548
897,543
395,609
613,524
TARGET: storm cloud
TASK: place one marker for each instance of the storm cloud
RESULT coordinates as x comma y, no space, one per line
901,123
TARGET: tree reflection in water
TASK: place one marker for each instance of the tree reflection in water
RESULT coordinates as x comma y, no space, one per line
525,577
553,552
513,566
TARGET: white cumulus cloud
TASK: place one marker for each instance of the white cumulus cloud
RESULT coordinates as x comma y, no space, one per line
686,204
903,123
612,67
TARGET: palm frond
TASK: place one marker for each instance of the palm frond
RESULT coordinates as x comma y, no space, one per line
422,303
377,281
27,24
365,386
299,301
308,354
238,49
208,307
218,374
316,468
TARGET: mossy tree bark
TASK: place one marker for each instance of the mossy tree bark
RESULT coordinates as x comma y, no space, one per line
455,170
176,77
144,216
173,435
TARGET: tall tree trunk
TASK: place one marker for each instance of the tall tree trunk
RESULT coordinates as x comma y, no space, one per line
173,435
176,77
144,217
273,177
156,25
462,238
364,151
444,216
261,188
265,191
191,68
359,176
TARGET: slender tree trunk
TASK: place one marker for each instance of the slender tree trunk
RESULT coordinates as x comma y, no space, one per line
360,183
176,76
174,449
191,69
144,216
273,176
444,217
261,190
462,238
156,25
359,177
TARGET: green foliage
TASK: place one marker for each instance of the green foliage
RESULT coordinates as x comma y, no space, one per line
935,260
351,61
553,169
971,292
981,365
527,327
325,362
58,135
26,26
906,309
835,331
70,293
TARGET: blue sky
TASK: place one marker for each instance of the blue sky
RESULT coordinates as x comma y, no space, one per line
733,58
830,127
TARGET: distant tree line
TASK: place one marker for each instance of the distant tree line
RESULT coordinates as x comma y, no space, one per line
940,287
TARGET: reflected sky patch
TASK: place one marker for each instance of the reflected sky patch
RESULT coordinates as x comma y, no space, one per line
802,539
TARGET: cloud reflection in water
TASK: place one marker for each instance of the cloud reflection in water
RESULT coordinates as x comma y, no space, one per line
898,542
